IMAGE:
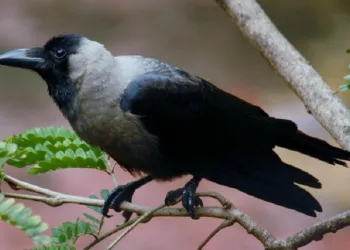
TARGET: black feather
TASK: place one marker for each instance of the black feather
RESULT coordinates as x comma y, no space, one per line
314,147
203,130
269,179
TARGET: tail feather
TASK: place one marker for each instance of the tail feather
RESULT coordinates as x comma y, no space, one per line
268,178
315,148
286,195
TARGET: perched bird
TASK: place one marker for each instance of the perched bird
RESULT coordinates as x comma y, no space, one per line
160,122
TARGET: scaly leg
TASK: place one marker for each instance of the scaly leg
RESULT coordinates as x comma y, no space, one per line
189,198
123,193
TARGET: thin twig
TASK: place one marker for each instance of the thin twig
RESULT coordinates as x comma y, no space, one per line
106,235
57,200
140,219
117,229
100,225
224,224
224,202
110,171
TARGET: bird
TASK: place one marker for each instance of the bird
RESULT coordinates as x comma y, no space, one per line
160,122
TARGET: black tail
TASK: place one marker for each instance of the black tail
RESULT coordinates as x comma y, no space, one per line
266,177
315,147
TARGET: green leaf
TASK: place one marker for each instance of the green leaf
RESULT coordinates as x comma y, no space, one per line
33,221
41,239
37,230
63,246
24,214
6,204
15,210
17,215
50,149
95,208
69,232
104,193
91,218
62,238
7,149
344,87
2,174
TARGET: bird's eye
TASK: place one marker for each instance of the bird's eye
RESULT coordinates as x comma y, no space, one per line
60,53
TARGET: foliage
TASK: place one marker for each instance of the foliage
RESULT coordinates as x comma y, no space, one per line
20,216
104,194
46,150
65,235
7,149
50,149
346,85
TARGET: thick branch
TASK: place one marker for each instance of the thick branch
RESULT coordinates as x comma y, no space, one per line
317,231
317,96
228,212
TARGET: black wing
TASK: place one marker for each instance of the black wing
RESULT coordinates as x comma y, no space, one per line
231,138
189,115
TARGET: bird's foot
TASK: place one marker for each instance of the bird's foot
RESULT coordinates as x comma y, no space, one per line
116,198
121,194
174,196
190,201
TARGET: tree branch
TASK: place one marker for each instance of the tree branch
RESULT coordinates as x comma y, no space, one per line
224,224
228,212
309,86
106,235
145,216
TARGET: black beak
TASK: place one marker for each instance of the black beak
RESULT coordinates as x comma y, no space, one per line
23,58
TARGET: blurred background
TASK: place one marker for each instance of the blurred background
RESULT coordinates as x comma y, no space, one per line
198,36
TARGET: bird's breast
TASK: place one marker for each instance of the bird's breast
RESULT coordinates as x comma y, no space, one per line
119,134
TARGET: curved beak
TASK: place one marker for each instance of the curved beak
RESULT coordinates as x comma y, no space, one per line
23,58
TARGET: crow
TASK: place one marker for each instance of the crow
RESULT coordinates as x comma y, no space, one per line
160,122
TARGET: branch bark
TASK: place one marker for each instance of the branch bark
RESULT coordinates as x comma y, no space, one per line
228,212
318,97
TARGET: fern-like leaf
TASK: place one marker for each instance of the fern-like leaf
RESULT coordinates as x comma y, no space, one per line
63,246
6,150
65,235
52,148
104,195
69,232
20,217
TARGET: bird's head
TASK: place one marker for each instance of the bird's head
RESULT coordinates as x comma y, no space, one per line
62,62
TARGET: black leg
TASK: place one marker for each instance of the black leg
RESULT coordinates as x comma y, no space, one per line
189,199
123,193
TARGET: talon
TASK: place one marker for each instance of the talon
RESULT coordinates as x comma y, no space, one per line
127,215
172,196
121,194
198,202
190,201
117,197
111,201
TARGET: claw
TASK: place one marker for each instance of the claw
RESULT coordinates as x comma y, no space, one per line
190,201
117,197
172,196
121,194
198,201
